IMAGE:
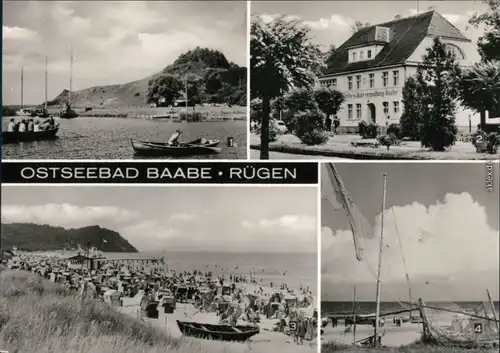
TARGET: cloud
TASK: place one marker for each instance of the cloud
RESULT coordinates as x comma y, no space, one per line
449,239
182,217
18,33
294,233
182,230
66,215
334,21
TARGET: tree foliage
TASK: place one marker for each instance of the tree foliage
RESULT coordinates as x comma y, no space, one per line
328,100
164,86
282,57
358,25
411,119
488,44
438,77
310,127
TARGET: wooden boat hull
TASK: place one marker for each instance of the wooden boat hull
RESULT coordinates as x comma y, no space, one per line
15,136
217,332
162,149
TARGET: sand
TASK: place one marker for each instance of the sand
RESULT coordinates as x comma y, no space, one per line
265,340
392,335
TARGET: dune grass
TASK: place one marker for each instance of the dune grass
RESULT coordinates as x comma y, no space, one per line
38,316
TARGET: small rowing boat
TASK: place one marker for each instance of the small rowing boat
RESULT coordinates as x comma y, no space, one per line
196,147
237,333
25,136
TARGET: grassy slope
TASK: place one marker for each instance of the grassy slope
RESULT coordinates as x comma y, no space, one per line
37,316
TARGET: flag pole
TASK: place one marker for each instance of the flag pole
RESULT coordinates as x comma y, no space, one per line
377,312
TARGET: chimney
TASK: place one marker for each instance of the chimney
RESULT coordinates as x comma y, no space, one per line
397,17
431,8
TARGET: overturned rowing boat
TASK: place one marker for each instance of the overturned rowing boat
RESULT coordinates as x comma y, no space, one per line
237,333
196,147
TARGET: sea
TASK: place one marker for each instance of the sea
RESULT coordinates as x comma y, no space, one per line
293,269
346,308
109,138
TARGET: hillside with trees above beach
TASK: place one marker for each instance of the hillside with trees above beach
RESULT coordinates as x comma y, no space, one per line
210,78
36,237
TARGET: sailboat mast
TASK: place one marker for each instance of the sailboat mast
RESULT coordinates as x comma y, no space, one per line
494,310
22,85
46,80
377,310
354,313
70,75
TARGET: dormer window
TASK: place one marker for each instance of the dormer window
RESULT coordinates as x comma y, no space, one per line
354,56
369,54
361,55
382,34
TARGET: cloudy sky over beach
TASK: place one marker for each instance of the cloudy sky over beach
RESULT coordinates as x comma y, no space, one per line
447,222
114,41
236,219
331,21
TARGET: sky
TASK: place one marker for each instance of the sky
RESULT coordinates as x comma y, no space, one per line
232,219
331,21
448,226
114,42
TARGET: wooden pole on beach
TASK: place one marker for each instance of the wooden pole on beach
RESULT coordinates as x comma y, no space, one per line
354,313
377,310
186,89
493,310
22,85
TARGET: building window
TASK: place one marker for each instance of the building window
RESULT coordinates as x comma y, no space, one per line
385,78
358,81
349,111
454,50
395,77
361,55
349,83
372,80
369,54
386,107
358,111
396,107
354,56
334,82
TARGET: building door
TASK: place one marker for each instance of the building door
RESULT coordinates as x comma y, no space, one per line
371,109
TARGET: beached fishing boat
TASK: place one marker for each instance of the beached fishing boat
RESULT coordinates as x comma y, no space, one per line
237,333
25,136
196,147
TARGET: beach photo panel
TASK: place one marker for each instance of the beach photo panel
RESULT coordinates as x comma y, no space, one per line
410,256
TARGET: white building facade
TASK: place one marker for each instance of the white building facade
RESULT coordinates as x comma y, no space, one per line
371,68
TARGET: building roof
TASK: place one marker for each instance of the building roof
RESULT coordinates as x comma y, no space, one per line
406,34
79,257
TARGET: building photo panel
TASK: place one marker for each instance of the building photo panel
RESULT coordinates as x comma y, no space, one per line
156,269
374,80
124,79
409,256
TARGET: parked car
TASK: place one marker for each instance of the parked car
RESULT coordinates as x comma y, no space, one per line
280,126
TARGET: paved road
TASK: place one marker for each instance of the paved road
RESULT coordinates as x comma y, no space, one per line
255,154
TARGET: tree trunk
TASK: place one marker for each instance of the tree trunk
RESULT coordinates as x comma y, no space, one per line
483,120
264,129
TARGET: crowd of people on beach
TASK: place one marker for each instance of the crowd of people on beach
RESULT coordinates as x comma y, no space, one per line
234,298
31,125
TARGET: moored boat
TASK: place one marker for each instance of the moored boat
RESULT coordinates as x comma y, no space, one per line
237,333
196,147
25,136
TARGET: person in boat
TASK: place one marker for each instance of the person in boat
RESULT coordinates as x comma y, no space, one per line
174,139
36,126
31,125
12,126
